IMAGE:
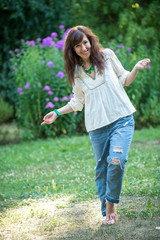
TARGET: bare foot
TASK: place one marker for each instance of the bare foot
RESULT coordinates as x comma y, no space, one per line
110,213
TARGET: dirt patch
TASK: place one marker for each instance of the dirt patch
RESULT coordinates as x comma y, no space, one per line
61,219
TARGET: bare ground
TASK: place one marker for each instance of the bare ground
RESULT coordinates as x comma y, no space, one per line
60,219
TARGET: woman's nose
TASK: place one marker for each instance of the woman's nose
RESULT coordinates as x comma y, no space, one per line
83,47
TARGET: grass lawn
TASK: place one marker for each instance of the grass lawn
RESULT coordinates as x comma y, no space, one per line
47,190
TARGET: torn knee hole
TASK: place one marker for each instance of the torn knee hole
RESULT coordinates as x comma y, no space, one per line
115,160
117,149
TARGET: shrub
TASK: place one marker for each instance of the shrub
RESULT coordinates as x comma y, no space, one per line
26,20
144,90
41,86
6,111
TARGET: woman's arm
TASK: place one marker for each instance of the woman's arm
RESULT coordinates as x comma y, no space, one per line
52,116
140,65
76,104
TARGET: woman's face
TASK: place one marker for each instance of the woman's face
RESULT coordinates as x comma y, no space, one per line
83,49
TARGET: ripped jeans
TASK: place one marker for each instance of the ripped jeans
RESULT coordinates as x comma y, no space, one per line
111,145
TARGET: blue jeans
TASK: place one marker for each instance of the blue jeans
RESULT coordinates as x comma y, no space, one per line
111,145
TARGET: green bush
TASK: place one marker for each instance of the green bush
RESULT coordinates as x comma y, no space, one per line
127,22
38,70
26,20
6,111
40,89
144,92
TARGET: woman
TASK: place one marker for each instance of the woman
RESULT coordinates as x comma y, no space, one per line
98,78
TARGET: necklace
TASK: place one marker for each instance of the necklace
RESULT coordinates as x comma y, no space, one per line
88,70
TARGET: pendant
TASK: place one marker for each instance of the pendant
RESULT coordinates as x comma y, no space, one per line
89,70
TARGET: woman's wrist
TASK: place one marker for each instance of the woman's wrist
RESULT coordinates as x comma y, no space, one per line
136,68
57,112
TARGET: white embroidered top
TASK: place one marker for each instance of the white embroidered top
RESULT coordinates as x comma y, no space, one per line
105,98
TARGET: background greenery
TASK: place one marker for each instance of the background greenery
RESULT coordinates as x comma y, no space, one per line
133,24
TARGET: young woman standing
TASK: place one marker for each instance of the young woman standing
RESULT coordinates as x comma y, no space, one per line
98,77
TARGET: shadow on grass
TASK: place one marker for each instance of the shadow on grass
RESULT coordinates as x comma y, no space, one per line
60,219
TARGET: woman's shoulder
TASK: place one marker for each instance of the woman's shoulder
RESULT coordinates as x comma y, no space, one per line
107,52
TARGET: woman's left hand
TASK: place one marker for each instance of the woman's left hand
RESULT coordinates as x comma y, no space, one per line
142,64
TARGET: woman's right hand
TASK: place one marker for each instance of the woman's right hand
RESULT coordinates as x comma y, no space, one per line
49,118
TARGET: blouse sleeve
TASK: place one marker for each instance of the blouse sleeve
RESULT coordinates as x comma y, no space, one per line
77,102
118,68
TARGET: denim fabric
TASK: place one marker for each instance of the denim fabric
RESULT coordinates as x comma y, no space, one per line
111,145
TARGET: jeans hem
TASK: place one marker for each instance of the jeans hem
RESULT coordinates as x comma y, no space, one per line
103,214
112,200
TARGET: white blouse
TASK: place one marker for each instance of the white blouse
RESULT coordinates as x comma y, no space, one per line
105,98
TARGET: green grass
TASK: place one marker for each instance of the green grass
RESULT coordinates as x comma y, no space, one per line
65,166
47,190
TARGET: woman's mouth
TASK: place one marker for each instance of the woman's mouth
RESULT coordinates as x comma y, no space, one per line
85,53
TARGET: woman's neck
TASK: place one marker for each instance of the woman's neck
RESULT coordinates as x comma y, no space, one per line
86,63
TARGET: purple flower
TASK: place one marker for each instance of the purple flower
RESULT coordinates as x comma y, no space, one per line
21,93
52,71
129,49
32,43
22,51
39,85
64,99
27,85
148,66
47,42
46,88
71,96
10,59
75,113
17,54
118,52
43,61
15,68
50,92
47,99
60,74
50,64
57,50
49,105
54,35
121,46
16,50
59,44
19,89
10,51
56,99
61,26
38,39
66,32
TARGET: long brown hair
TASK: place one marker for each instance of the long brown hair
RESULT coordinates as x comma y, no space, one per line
71,59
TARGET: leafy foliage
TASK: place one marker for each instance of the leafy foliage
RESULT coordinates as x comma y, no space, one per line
127,22
26,19
144,91
41,86
135,25
6,111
